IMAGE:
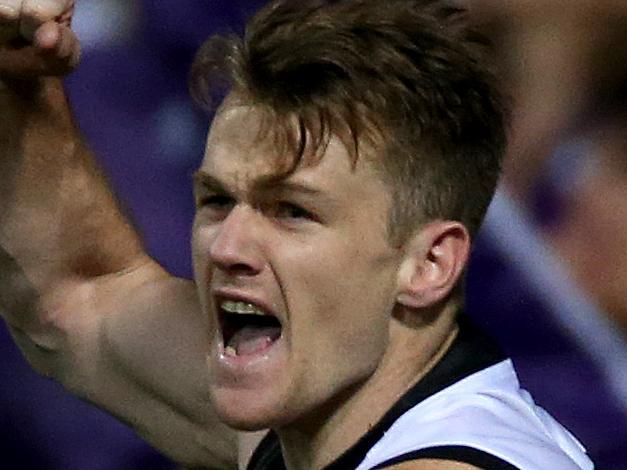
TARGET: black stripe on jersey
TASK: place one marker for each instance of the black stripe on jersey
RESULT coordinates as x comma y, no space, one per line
470,352
465,454
267,455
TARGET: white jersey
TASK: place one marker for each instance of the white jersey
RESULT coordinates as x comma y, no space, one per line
469,408
486,414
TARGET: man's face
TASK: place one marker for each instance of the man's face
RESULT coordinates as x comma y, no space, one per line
296,277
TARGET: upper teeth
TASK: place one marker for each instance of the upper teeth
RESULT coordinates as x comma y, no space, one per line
232,306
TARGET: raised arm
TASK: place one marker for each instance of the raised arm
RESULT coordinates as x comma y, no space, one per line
83,301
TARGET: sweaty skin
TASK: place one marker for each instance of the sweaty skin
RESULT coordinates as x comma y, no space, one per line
85,303
314,251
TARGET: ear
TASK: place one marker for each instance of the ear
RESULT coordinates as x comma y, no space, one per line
435,258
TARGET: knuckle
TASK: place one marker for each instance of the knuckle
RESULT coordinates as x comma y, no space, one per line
10,10
8,14
42,10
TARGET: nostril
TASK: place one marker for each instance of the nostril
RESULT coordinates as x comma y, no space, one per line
239,268
235,260
243,262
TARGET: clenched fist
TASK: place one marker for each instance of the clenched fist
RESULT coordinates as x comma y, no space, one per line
36,39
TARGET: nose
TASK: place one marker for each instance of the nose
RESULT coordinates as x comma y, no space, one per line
235,247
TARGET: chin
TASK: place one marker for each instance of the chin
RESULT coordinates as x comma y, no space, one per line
249,410
244,423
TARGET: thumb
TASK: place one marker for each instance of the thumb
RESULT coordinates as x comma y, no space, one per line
55,51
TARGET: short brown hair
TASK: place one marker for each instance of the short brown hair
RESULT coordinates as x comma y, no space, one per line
407,76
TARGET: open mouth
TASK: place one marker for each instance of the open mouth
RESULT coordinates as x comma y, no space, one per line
246,329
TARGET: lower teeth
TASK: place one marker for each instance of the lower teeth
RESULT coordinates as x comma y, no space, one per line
247,346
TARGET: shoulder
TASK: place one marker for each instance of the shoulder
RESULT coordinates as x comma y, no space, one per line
446,457
488,414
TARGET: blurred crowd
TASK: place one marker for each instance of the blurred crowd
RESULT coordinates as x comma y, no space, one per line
564,63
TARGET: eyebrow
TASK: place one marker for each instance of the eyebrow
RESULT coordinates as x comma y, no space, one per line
289,188
201,178
276,185
269,184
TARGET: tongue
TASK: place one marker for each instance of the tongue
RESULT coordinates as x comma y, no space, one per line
251,339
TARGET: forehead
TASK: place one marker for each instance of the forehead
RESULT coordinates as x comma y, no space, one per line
239,151
235,144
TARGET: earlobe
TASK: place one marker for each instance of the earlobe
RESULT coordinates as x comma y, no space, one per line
434,261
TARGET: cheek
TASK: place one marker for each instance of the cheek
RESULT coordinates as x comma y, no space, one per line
345,296
351,332
201,243
200,261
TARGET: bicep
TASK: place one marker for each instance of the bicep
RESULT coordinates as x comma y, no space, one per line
131,342
154,342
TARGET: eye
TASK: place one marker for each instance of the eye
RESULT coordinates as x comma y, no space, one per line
288,210
217,203
216,200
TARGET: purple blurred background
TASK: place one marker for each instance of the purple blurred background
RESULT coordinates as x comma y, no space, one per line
131,101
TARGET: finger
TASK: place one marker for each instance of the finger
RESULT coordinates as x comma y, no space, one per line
48,36
34,13
55,52
59,40
9,20
10,9
66,16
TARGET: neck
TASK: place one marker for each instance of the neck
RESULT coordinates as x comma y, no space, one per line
317,440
